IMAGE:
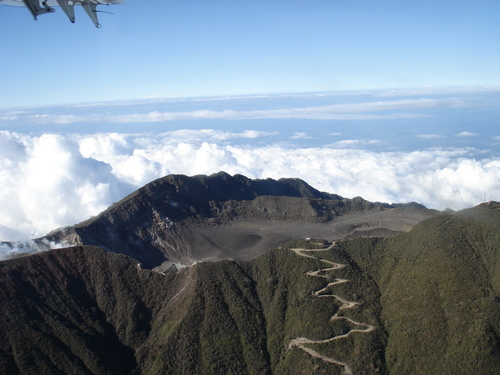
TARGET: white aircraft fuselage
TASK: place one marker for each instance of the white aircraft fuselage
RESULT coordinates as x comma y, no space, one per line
37,7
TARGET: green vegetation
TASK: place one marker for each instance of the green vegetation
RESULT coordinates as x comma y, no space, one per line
439,292
432,295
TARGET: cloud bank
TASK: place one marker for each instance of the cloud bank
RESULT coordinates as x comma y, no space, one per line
371,110
53,180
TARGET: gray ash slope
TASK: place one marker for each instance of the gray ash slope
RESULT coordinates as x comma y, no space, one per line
181,219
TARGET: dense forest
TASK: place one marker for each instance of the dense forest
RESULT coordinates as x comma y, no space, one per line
431,296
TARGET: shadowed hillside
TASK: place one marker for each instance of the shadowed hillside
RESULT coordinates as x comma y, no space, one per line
431,296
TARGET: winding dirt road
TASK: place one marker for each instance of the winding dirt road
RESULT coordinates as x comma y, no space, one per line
299,342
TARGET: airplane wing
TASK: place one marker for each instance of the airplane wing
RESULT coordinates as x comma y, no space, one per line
37,7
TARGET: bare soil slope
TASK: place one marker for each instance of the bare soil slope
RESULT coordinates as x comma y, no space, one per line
181,220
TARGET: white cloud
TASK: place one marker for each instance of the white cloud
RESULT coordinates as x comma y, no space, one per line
42,119
52,180
467,135
351,111
46,182
300,135
349,142
355,142
430,136
215,135
27,246
450,90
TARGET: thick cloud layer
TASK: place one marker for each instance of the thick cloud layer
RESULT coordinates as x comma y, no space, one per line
52,180
46,183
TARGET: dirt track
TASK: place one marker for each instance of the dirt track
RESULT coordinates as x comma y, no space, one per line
299,342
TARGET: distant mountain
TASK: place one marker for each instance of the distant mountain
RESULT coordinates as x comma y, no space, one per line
178,220
422,302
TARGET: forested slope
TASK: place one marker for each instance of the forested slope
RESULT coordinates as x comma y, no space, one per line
439,292
431,296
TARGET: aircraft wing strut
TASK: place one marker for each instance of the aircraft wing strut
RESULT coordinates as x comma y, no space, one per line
36,7
68,8
91,9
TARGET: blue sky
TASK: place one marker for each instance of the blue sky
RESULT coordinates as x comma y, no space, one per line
198,48
379,120
394,101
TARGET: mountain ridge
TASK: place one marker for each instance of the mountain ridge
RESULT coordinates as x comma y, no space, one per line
428,294
430,297
166,221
